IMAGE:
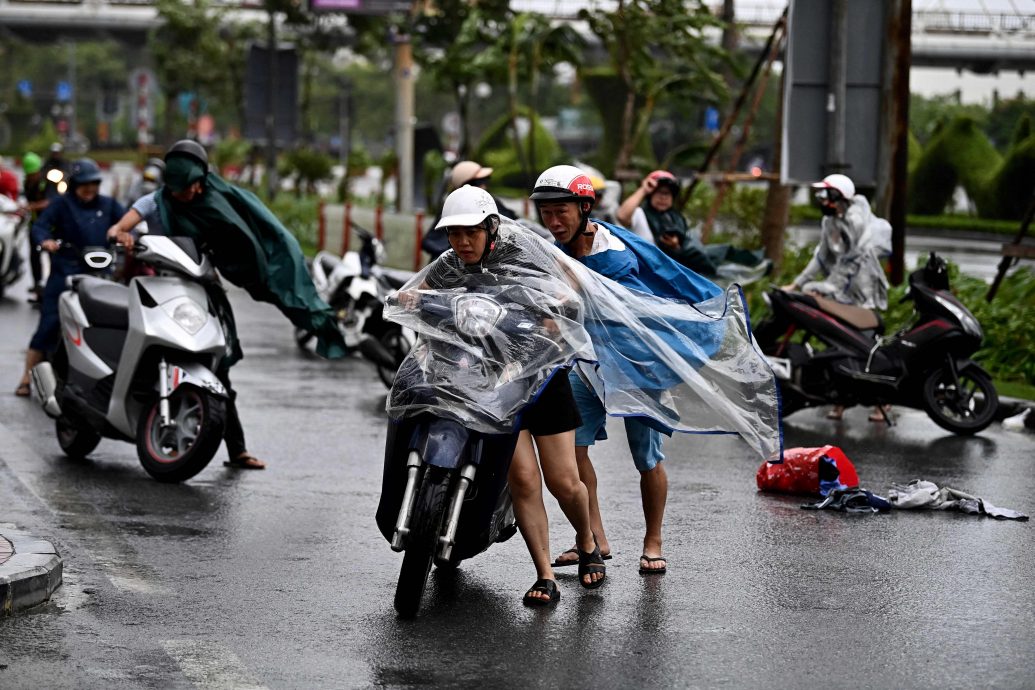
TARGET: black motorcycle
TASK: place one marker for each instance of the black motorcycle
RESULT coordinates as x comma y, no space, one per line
445,496
824,353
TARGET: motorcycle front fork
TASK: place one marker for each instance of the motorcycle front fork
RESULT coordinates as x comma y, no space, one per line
402,523
163,394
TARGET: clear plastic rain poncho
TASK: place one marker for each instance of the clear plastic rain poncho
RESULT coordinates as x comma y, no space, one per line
492,334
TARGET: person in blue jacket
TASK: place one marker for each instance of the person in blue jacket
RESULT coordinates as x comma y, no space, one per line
80,218
564,197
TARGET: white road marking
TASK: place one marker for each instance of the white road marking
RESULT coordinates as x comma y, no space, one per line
210,665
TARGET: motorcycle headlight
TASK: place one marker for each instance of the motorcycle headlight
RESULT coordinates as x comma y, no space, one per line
968,322
476,316
188,314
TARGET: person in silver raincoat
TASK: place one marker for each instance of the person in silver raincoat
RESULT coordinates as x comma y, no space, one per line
852,243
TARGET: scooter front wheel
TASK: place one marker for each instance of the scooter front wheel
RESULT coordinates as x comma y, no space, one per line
184,448
76,441
425,526
965,403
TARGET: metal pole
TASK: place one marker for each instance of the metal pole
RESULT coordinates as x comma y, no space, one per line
404,120
271,104
838,94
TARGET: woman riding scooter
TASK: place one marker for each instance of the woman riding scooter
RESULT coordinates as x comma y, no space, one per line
79,219
482,253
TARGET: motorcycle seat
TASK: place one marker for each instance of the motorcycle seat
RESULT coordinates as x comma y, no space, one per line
105,303
857,317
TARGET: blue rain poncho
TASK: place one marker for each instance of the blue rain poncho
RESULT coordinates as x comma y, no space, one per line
492,334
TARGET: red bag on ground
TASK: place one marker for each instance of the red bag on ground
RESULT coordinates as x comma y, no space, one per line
812,471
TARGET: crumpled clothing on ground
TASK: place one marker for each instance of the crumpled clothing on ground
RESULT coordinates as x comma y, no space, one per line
853,500
924,494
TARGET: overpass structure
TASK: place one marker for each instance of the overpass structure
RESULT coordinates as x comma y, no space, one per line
983,42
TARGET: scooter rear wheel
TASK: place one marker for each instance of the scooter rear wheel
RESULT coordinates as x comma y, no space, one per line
181,451
77,442
966,407
426,521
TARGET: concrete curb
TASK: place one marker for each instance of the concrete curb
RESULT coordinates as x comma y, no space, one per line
30,571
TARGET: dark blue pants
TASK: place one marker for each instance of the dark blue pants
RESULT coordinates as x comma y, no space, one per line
48,332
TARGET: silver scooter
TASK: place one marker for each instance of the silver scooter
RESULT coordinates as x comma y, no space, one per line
137,362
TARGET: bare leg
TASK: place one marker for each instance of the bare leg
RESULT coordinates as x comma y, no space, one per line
32,358
588,475
561,473
526,490
654,494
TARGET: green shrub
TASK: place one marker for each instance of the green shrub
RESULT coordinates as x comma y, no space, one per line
300,216
230,152
307,167
959,154
1009,192
739,215
40,144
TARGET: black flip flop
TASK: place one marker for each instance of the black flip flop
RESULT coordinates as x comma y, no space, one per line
547,587
574,550
652,559
590,563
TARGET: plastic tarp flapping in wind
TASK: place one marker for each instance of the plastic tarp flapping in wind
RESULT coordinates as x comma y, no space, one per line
491,335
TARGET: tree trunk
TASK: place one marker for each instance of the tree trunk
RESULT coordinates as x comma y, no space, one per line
512,99
778,199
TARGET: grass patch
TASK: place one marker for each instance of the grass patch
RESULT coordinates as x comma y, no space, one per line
1013,389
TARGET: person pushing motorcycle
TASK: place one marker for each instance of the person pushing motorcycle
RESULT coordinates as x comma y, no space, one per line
563,196
250,248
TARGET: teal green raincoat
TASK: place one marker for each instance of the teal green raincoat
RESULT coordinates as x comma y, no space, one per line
251,249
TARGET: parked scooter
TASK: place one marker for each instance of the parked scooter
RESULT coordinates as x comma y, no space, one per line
843,359
13,229
444,495
356,285
136,363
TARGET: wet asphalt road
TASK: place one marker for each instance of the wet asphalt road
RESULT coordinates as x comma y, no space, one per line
281,579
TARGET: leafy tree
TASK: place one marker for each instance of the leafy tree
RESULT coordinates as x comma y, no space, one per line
531,45
188,51
657,48
450,41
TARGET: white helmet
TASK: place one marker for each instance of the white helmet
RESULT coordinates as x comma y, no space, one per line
842,184
467,206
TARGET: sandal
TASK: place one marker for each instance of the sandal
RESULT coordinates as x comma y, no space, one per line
653,559
23,390
877,416
590,563
246,461
543,586
558,563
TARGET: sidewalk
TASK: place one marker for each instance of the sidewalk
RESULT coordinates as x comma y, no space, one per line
30,571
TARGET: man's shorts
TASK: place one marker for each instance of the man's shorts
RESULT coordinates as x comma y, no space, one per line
644,442
554,411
